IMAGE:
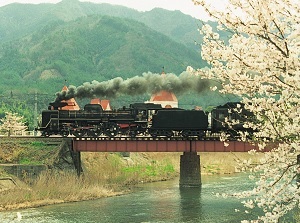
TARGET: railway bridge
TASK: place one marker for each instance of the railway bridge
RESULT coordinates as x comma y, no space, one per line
189,160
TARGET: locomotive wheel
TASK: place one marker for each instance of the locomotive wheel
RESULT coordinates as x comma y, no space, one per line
79,132
168,133
161,132
46,134
201,134
186,133
154,133
137,131
94,132
64,133
133,133
112,129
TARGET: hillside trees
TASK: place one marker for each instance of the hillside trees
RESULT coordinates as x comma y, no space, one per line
260,63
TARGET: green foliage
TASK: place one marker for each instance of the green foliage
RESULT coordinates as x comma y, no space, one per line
28,161
38,144
168,168
94,47
28,18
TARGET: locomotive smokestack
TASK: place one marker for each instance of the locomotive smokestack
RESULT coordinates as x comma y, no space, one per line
147,83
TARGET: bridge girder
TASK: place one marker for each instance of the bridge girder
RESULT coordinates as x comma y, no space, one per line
146,145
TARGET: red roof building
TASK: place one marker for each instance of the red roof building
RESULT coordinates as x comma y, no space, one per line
72,104
165,98
104,103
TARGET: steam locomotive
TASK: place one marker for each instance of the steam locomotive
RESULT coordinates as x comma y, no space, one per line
141,119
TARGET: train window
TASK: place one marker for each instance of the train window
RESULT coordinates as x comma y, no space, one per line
209,119
150,114
139,115
221,116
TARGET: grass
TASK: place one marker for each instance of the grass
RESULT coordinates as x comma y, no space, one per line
150,170
223,162
28,161
38,144
30,152
141,167
52,187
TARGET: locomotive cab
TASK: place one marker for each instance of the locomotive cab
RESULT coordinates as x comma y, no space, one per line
230,118
138,122
143,112
226,113
93,108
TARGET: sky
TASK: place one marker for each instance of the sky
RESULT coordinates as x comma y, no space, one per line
186,6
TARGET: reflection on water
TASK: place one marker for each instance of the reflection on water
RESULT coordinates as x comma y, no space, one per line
160,202
190,204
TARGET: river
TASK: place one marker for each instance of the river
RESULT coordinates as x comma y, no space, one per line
159,202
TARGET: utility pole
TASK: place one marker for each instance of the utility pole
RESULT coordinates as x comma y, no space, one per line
35,114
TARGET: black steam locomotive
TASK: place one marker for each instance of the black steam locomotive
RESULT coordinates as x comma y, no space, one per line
141,119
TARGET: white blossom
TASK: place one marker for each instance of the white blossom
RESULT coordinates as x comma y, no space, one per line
260,63
12,124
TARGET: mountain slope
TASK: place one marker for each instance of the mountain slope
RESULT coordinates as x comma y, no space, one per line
93,47
18,19
21,19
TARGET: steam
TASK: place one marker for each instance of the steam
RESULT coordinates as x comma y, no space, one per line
147,83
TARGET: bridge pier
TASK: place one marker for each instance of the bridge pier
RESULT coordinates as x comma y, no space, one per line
77,163
76,157
190,170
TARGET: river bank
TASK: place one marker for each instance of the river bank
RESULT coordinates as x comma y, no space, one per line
105,174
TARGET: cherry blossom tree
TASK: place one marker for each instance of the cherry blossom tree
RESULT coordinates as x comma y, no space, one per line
12,124
260,63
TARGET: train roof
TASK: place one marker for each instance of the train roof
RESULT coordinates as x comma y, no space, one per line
148,106
230,105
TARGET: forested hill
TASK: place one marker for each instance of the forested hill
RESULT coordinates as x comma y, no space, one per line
20,19
82,41
90,48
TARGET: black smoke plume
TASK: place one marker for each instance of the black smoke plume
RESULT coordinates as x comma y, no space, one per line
147,83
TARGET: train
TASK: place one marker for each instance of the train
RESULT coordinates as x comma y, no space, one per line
143,119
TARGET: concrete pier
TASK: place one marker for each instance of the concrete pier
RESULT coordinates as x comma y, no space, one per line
190,170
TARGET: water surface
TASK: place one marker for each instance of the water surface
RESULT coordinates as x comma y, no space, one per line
159,202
